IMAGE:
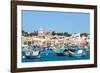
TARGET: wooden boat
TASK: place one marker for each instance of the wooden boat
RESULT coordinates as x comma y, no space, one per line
61,52
33,54
30,56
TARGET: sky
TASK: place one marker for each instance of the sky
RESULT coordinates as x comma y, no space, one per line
71,22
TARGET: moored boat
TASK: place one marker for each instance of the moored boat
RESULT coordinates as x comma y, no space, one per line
62,51
33,54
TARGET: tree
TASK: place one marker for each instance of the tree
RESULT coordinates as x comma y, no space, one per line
84,34
53,33
66,34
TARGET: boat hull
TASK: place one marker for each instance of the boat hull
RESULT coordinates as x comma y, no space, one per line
38,56
60,54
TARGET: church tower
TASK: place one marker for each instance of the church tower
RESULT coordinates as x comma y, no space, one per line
41,32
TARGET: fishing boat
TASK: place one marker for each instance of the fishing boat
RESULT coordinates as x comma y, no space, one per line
33,54
62,51
73,51
76,52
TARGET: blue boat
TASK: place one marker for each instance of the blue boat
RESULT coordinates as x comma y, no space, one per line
61,51
77,52
69,51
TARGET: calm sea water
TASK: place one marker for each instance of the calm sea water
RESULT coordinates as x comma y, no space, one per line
51,56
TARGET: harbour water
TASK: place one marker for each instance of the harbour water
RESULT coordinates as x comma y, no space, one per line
50,55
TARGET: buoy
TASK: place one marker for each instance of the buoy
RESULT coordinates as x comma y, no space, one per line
23,57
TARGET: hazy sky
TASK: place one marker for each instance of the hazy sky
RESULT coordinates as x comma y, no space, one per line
55,21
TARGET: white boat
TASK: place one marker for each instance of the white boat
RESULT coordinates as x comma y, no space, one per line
33,54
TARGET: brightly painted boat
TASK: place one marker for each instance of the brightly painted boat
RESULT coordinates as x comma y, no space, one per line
61,51
31,52
77,52
72,51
